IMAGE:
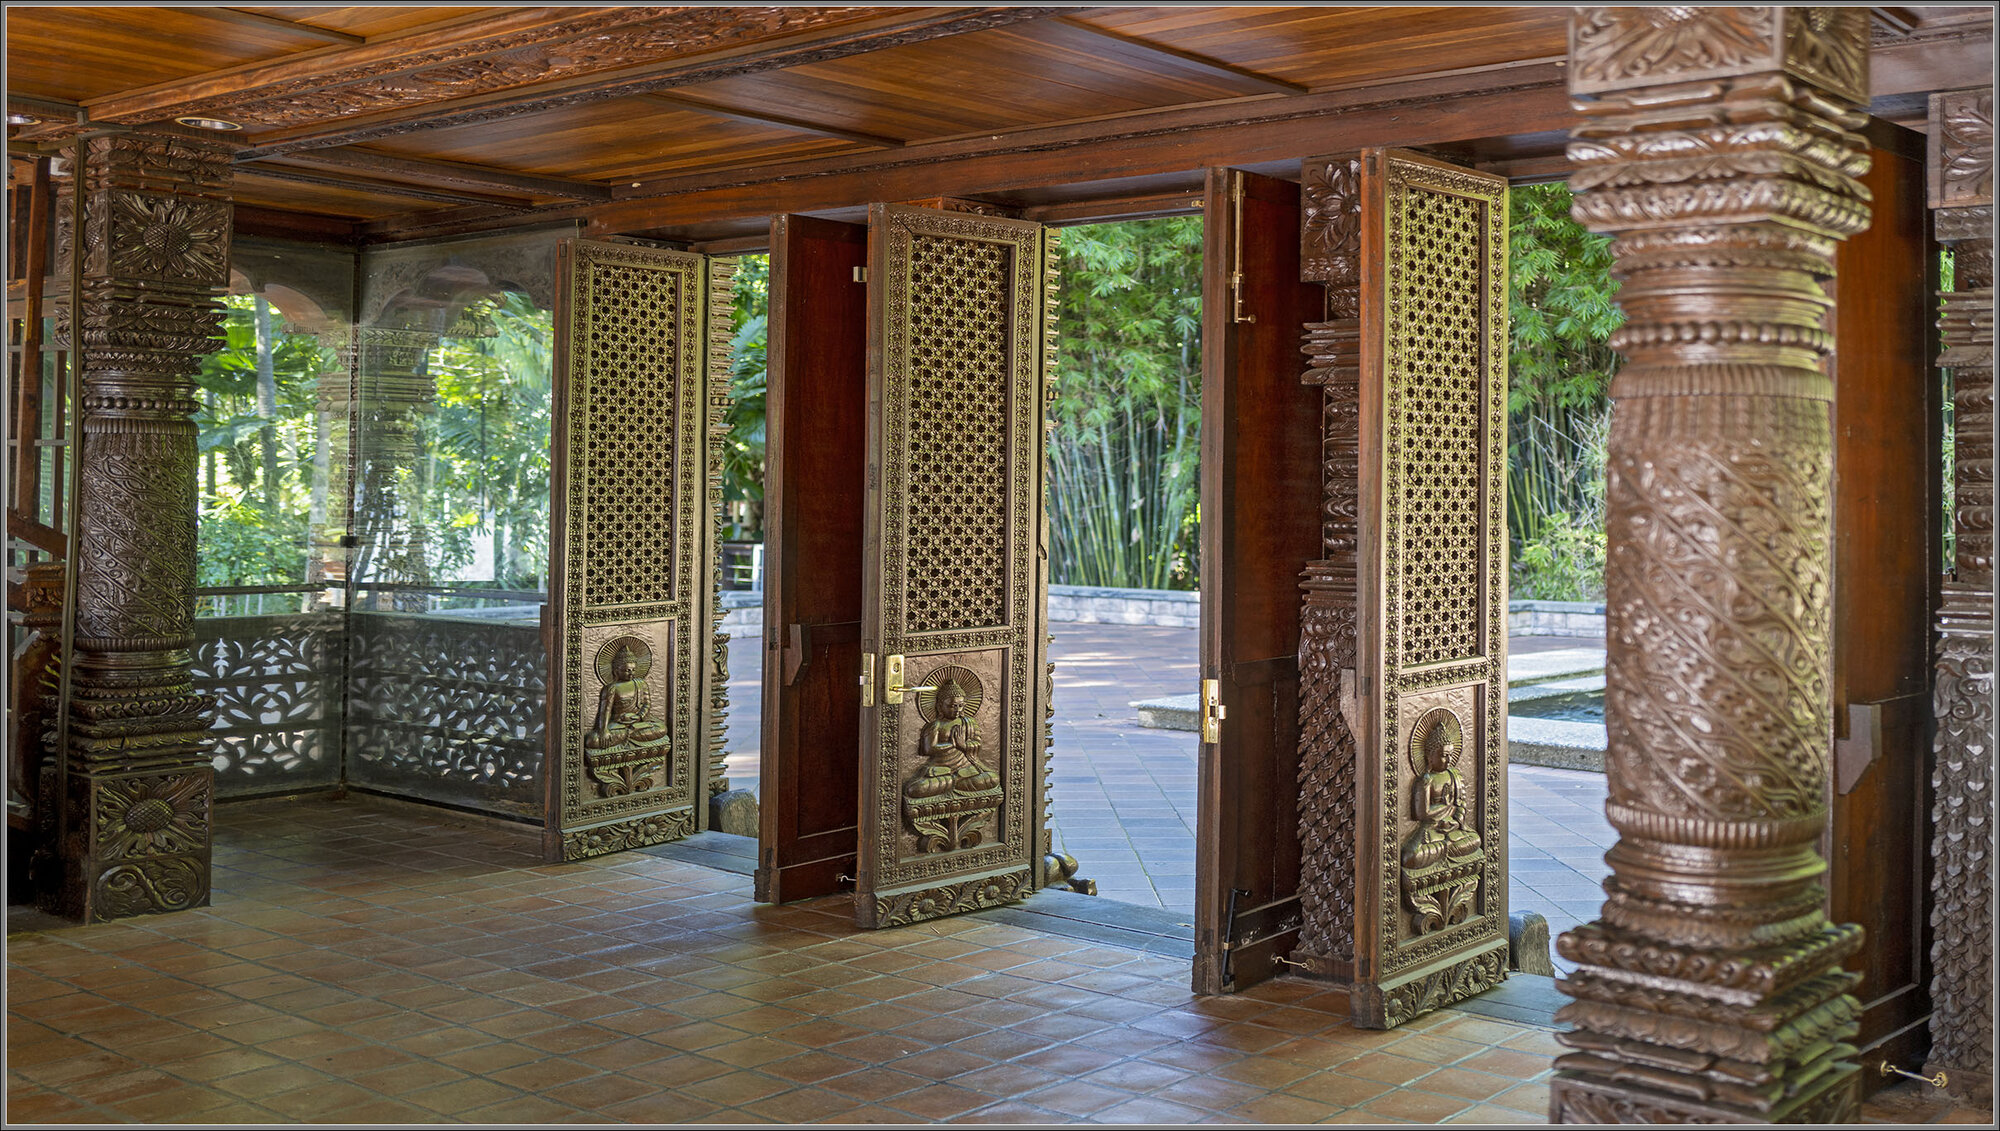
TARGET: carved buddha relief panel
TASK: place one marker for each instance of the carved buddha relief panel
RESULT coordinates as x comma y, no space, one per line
953,765
1443,855
630,572
957,319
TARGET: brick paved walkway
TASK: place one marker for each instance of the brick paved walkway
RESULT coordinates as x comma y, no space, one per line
1125,795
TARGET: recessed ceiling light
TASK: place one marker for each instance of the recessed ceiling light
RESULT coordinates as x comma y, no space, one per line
22,119
202,123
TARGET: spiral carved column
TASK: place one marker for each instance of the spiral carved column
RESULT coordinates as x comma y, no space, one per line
1962,773
1720,151
138,785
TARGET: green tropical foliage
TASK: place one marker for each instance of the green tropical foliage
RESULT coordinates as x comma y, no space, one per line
743,450
257,434
1559,374
270,476
1125,428
487,446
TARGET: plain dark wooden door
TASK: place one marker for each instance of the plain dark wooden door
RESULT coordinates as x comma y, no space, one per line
816,434
1887,425
1260,490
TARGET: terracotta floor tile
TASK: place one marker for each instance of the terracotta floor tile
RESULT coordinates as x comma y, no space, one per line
1489,1115
543,1074
938,1102
180,1105
874,1084
1422,1107
655,1107
1279,1107
1338,1088
490,1058
330,1102
811,1067
736,1088
1073,1097
802,1105
1387,1067
1465,1083
1148,1111
1507,1062
1532,1097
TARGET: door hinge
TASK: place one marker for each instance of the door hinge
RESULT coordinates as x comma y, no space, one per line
861,274
1212,710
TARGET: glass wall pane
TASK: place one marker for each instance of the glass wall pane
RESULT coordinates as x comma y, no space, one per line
272,430
448,564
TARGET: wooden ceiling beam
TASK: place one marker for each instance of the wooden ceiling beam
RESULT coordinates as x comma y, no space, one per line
1214,67
760,117
1494,103
904,26
379,187
444,174
258,19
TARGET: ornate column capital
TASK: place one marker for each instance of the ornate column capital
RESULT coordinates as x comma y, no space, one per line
1623,49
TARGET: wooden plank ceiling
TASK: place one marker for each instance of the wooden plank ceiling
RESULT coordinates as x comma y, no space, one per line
396,119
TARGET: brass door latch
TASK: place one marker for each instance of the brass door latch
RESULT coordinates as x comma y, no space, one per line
1212,710
892,680
867,679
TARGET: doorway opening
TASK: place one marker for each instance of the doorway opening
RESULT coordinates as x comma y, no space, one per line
1124,547
1559,376
741,554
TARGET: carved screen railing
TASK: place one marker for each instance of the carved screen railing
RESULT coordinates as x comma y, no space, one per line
447,709
276,685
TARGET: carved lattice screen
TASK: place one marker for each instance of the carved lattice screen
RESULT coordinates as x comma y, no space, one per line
631,567
951,788
1432,844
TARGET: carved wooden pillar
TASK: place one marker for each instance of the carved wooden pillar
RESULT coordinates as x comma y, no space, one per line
721,315
1331,254
1962,777
138,786
1719,150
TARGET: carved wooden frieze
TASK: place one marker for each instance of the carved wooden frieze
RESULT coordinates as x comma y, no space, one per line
587,43
1710,988
137,782
630,571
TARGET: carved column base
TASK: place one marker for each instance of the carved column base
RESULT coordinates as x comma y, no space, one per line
1581,1098
137,844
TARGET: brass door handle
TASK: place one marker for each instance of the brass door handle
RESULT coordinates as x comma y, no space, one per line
892,680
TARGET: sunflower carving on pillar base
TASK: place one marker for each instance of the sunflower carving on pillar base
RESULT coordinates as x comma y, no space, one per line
953,796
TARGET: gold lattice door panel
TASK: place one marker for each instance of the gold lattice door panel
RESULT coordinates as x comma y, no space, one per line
954,600
630,571
1432,870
